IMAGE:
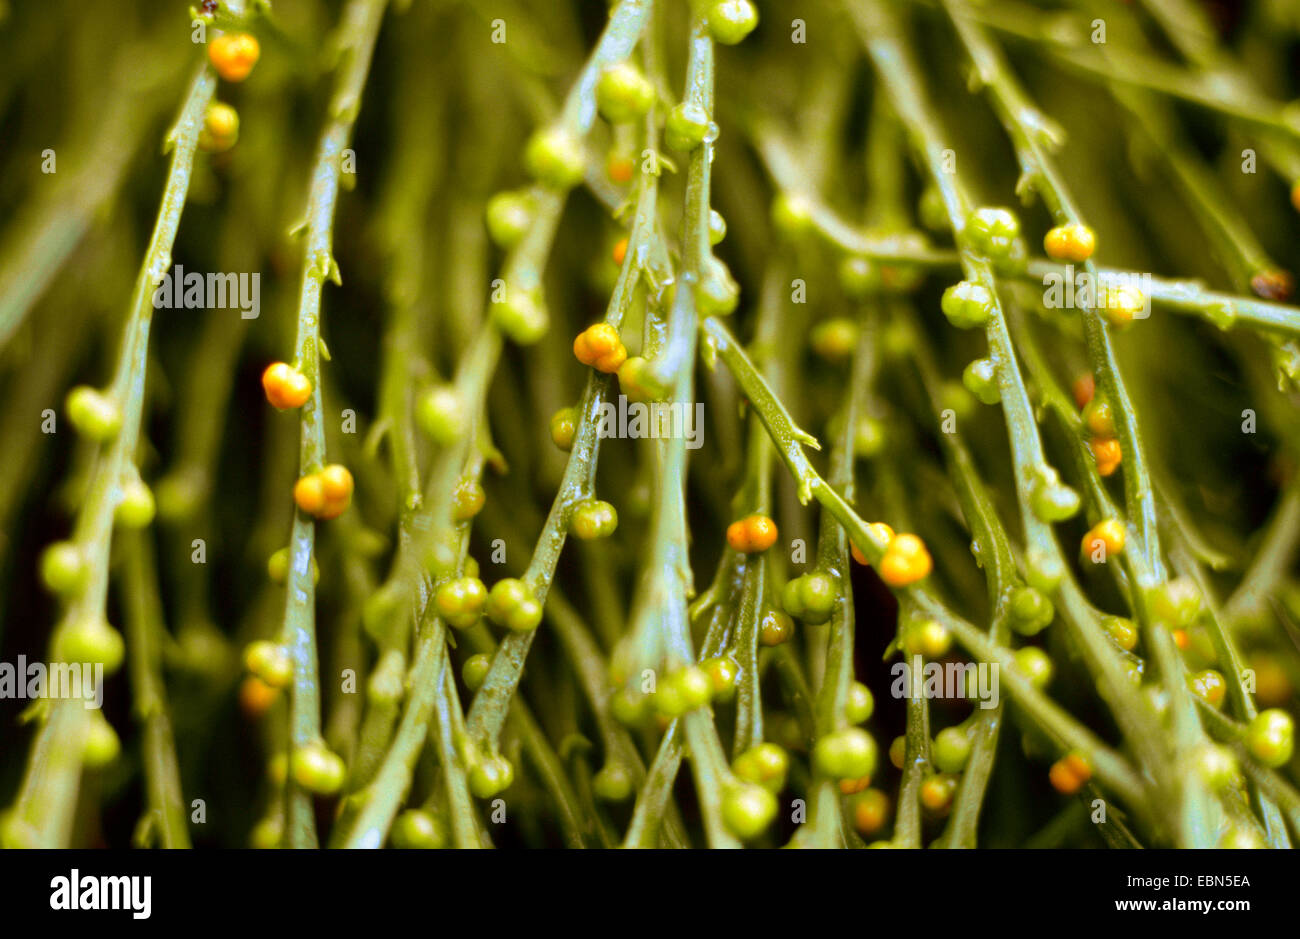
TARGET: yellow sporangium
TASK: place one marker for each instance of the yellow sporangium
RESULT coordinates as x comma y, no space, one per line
233,55
1073,242
600,347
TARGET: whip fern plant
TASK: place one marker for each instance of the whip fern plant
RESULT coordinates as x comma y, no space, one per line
667,434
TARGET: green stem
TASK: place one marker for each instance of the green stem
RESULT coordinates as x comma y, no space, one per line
145,635
993,548
487,713
749,705
359,30
47,797
916,762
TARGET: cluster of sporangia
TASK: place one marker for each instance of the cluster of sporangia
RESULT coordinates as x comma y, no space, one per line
555,157
995,233
233,55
